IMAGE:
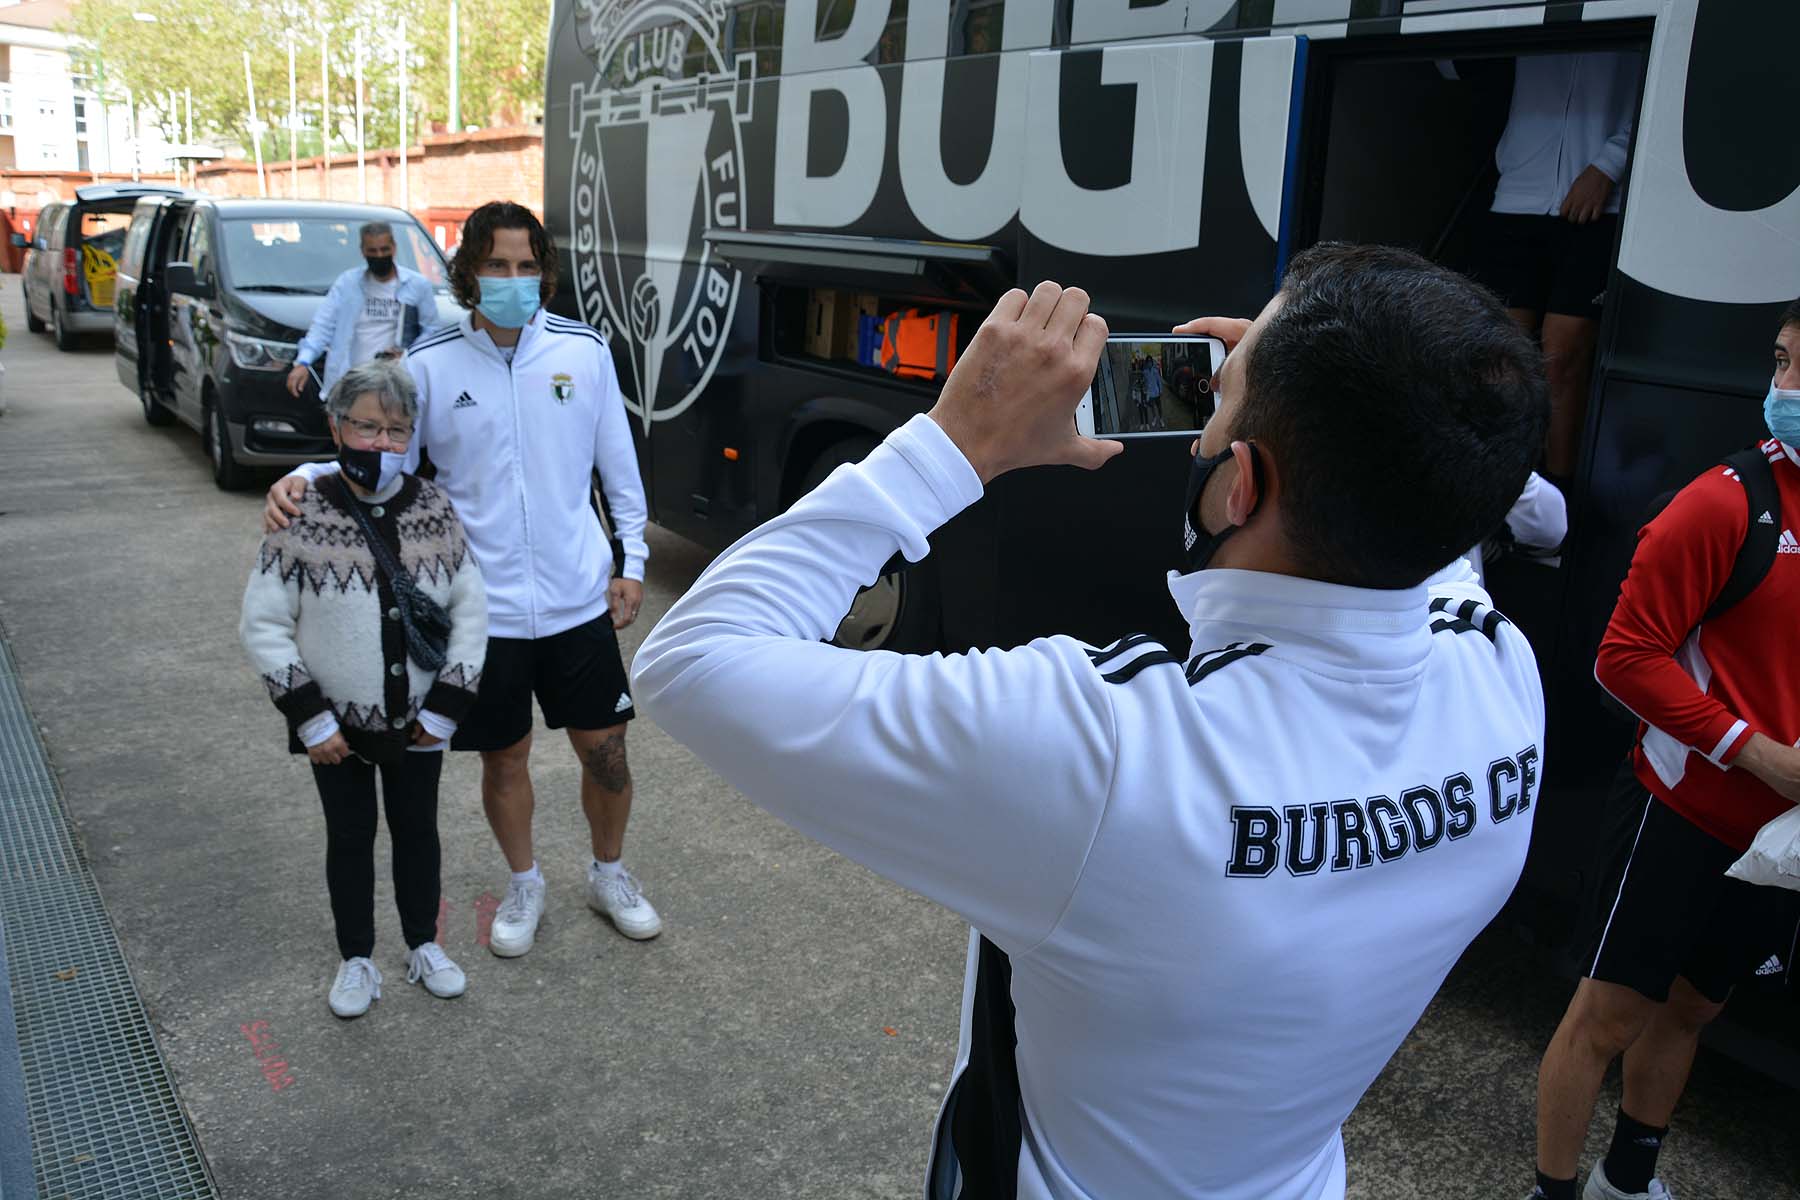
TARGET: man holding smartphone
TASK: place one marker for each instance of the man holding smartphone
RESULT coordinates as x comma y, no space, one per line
1195,879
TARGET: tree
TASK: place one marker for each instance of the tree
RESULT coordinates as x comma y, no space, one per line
197,46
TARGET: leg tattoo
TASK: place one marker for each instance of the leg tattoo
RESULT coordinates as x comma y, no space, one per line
606,765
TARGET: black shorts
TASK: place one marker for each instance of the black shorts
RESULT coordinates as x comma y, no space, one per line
1665,906
577,676
1547,264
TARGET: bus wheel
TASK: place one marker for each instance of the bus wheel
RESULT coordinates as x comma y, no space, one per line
899,611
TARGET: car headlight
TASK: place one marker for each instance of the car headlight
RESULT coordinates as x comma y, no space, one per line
259,354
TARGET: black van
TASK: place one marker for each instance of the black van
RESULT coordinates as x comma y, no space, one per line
71,262
213,299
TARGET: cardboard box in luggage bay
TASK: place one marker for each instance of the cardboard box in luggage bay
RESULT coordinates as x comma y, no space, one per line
832,322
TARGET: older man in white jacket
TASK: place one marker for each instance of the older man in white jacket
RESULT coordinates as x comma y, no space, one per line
1211,891
373,311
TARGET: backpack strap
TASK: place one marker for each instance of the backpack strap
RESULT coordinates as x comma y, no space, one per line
1763,536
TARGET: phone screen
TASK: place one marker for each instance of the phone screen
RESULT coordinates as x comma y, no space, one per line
1151,383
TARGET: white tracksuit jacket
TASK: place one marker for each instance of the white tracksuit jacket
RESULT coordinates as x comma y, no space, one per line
1227,884
515,445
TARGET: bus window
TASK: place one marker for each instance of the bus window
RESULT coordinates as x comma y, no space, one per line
983,27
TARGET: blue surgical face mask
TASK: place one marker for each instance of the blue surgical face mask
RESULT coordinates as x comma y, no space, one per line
509,302
1782,412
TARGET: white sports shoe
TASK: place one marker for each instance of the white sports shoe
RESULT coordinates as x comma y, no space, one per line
357,984
516,920
429,965
622,902
1599,1187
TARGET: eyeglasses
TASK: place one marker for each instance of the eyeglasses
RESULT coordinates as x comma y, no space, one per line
399,435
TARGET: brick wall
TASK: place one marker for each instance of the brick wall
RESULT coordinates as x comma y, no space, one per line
448,175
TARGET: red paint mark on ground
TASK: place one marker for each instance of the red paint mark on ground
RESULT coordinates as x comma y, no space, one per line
268,1055
485,906
443,919
890,1031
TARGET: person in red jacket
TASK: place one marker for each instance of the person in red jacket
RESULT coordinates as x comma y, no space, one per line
1717,756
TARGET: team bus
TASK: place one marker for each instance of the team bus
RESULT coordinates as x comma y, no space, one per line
751,197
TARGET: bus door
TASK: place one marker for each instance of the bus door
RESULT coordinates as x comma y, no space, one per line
1402,139
1172,199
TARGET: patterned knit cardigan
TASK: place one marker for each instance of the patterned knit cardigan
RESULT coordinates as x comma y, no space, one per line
321,625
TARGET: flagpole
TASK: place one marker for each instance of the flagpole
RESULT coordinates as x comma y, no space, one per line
455,71
174,114
362,167
293,124
262,181
405,181
325,112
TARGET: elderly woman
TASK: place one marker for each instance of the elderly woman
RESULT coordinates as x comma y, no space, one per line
333,623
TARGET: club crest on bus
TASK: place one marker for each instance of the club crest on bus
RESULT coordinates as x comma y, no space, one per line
644,272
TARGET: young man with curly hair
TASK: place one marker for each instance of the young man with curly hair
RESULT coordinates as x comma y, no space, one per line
518,409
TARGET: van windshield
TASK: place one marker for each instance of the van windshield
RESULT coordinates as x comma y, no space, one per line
307,254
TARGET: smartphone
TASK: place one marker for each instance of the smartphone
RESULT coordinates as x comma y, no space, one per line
1151,383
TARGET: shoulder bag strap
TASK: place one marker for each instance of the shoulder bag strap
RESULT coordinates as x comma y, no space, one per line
385,558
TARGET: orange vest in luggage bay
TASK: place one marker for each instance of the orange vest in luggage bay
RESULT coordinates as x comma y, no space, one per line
918,344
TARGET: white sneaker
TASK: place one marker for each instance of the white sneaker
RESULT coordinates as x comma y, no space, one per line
621,901
428,964
357,984
1599,1187
516,920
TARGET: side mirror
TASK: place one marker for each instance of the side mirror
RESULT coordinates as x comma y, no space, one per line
18,240
179,278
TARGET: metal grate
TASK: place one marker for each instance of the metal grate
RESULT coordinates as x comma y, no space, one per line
105,1121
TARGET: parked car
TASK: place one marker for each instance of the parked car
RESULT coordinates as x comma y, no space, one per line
71,262
214,296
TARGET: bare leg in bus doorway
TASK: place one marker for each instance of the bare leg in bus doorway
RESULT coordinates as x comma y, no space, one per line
1568,343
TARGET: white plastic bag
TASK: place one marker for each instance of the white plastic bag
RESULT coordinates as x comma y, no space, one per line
1774,857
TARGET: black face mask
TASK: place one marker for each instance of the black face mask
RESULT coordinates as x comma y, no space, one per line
1197,544
380,267
362,467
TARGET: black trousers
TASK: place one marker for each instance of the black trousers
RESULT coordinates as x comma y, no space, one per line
409,790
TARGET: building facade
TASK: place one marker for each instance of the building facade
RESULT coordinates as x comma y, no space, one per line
51,118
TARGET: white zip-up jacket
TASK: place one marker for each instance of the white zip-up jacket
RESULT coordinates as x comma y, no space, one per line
333,326
1227,883
1569,112
515,445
